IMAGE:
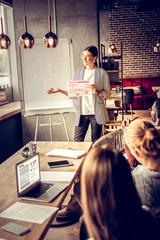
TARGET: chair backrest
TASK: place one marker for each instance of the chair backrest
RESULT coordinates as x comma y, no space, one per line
129,96
114,138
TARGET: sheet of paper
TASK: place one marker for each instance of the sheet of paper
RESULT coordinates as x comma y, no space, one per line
49,176
125,155
28,212
70,153
78,88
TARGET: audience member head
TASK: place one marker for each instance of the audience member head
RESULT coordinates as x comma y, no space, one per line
109,197
155,112
143,141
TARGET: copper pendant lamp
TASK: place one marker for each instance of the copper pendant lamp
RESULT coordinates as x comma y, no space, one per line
26,40
113,48
157,47
4,39
50,39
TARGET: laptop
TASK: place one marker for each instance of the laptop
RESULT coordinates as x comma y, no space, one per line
29,185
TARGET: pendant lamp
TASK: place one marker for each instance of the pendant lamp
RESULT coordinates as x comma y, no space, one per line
50,39
4,39
113,48
157,47
26,40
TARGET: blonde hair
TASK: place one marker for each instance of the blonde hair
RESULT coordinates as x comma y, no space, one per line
142,137
109,197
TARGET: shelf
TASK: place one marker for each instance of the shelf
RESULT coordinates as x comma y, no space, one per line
113,57
113,70
111,66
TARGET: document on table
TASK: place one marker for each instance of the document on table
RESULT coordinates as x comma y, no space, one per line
28,212
69,153
49,176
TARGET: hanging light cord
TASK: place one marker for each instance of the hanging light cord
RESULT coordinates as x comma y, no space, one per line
49,10
24,8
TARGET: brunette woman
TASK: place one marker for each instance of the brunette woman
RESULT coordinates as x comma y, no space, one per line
111,205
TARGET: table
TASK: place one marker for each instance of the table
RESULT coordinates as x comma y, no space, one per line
9,109
8,193
10,129
110,105
135,89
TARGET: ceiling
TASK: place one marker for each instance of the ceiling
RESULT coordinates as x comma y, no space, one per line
143,5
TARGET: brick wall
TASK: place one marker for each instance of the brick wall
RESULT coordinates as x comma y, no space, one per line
138,32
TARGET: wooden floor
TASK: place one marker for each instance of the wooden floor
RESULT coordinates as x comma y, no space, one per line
144,114
72,232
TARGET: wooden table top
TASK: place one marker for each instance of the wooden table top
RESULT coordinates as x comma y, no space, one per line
9,109
8,190
136,89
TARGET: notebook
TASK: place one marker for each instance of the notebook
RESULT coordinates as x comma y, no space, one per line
69,153
29,184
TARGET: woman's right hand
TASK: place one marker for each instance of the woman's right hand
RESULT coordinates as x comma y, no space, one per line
53,90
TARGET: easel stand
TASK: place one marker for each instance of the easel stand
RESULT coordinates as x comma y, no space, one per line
50,124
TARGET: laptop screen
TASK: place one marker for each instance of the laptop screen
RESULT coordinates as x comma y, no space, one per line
28,173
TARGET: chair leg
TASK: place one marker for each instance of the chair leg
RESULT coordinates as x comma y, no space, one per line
131,110
103,130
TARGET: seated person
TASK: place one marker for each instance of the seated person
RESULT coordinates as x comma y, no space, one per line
143,140
110,202
155,115
73,209
155,112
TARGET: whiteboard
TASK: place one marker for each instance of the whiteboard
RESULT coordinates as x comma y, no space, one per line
44,68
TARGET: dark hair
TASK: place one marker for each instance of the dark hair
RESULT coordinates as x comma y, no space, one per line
93,50
109,198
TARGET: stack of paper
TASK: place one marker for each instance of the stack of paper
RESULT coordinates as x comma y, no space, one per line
28,212
69,153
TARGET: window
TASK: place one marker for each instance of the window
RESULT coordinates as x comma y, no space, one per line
8,62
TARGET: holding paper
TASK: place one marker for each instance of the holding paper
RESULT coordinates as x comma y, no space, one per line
90,87
78,88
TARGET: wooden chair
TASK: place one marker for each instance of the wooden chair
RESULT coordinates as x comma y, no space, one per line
114,138
112,125
128,99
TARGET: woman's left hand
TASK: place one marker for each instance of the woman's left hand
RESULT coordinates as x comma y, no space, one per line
93,88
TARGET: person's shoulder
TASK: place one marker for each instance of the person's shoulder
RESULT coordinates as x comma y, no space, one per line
79,70
102,70
145,172
138,170
78,74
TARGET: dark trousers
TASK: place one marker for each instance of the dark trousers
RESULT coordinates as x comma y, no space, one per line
81,130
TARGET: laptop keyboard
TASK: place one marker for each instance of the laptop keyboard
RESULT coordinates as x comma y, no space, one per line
39,189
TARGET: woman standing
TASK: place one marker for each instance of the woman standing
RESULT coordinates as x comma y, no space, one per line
90,109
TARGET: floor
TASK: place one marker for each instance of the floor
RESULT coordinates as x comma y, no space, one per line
72,232
144,114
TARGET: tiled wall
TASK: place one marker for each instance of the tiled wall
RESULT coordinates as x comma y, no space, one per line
138,32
